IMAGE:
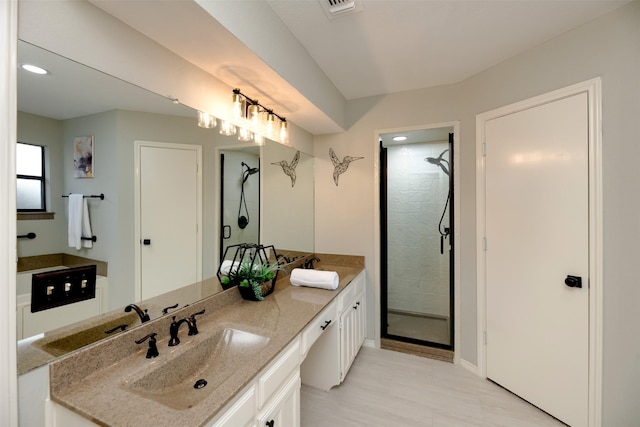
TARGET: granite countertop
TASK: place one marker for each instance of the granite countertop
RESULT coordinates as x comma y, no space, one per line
103,382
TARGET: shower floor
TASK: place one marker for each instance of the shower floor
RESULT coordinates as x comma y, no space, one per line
419,327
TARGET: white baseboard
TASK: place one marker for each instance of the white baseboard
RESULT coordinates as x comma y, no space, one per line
369,343
469,366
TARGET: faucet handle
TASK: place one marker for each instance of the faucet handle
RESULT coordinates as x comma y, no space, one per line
166,309
112,330
153,348
193,328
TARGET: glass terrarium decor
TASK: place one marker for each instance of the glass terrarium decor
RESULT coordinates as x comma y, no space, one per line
252,268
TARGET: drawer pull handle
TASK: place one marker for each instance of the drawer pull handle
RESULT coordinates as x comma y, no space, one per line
270,423
356,306
326,323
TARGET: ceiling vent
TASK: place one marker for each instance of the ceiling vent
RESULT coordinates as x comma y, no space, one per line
334,8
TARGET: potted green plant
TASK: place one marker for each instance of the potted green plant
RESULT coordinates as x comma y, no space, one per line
254,275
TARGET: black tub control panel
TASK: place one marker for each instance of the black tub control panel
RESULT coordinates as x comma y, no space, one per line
61,287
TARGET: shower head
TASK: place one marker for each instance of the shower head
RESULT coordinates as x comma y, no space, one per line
250,171
439,161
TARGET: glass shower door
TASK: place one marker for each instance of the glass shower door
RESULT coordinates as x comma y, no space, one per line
417,304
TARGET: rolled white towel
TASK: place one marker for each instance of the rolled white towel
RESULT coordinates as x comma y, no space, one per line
227,265
315,278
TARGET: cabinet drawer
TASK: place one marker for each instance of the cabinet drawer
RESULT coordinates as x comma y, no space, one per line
346,297
318,326
278,372
358,284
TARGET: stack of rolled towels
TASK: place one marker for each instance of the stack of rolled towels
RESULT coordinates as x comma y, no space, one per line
315,278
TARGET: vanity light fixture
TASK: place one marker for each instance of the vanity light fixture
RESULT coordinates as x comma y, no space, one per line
227,128
206,120
260,119
34,69
244,134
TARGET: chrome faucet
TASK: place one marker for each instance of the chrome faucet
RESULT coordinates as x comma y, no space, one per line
144,316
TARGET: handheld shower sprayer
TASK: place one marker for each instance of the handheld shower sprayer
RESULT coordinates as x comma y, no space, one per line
243,220
444,165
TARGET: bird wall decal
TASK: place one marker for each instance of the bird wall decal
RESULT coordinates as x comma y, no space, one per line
290,168
339,167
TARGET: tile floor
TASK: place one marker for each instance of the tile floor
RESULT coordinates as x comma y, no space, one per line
419,327
387,388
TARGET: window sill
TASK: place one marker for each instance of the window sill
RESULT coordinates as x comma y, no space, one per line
27,216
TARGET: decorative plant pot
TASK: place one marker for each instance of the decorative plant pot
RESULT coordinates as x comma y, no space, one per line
249,264
257,292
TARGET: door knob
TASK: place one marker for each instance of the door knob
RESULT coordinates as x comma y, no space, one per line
573,281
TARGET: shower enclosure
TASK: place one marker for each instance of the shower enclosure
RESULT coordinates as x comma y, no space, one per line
416,237
239,197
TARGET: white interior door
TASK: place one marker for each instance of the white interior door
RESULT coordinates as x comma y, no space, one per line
537,233
169,195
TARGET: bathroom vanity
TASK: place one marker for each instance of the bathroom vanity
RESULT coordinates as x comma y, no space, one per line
243,368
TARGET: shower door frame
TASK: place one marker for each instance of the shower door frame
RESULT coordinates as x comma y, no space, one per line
454,273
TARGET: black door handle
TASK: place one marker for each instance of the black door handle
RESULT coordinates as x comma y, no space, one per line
573,281
146,242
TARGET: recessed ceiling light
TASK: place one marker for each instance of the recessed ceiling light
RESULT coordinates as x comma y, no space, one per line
33,69
399,138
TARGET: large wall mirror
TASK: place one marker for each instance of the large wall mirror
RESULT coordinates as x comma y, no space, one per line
74,101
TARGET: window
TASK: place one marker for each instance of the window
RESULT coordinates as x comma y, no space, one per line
30,195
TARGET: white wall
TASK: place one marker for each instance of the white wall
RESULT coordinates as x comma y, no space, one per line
606,47
8,255
47,132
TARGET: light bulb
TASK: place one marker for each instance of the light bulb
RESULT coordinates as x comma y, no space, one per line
254,116
238,105
244,134
258,139
206,120
284,135
270,126
227,128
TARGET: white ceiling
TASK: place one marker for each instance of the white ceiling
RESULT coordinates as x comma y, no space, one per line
72,90
387,46
397,45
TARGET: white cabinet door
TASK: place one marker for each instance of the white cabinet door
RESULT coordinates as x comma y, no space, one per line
361,320
241,414
284,409
348,333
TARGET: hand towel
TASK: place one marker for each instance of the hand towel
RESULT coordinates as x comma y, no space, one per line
315,278
86,225
76,203
79,224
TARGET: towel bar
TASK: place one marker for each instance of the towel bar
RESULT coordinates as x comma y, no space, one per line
92,196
